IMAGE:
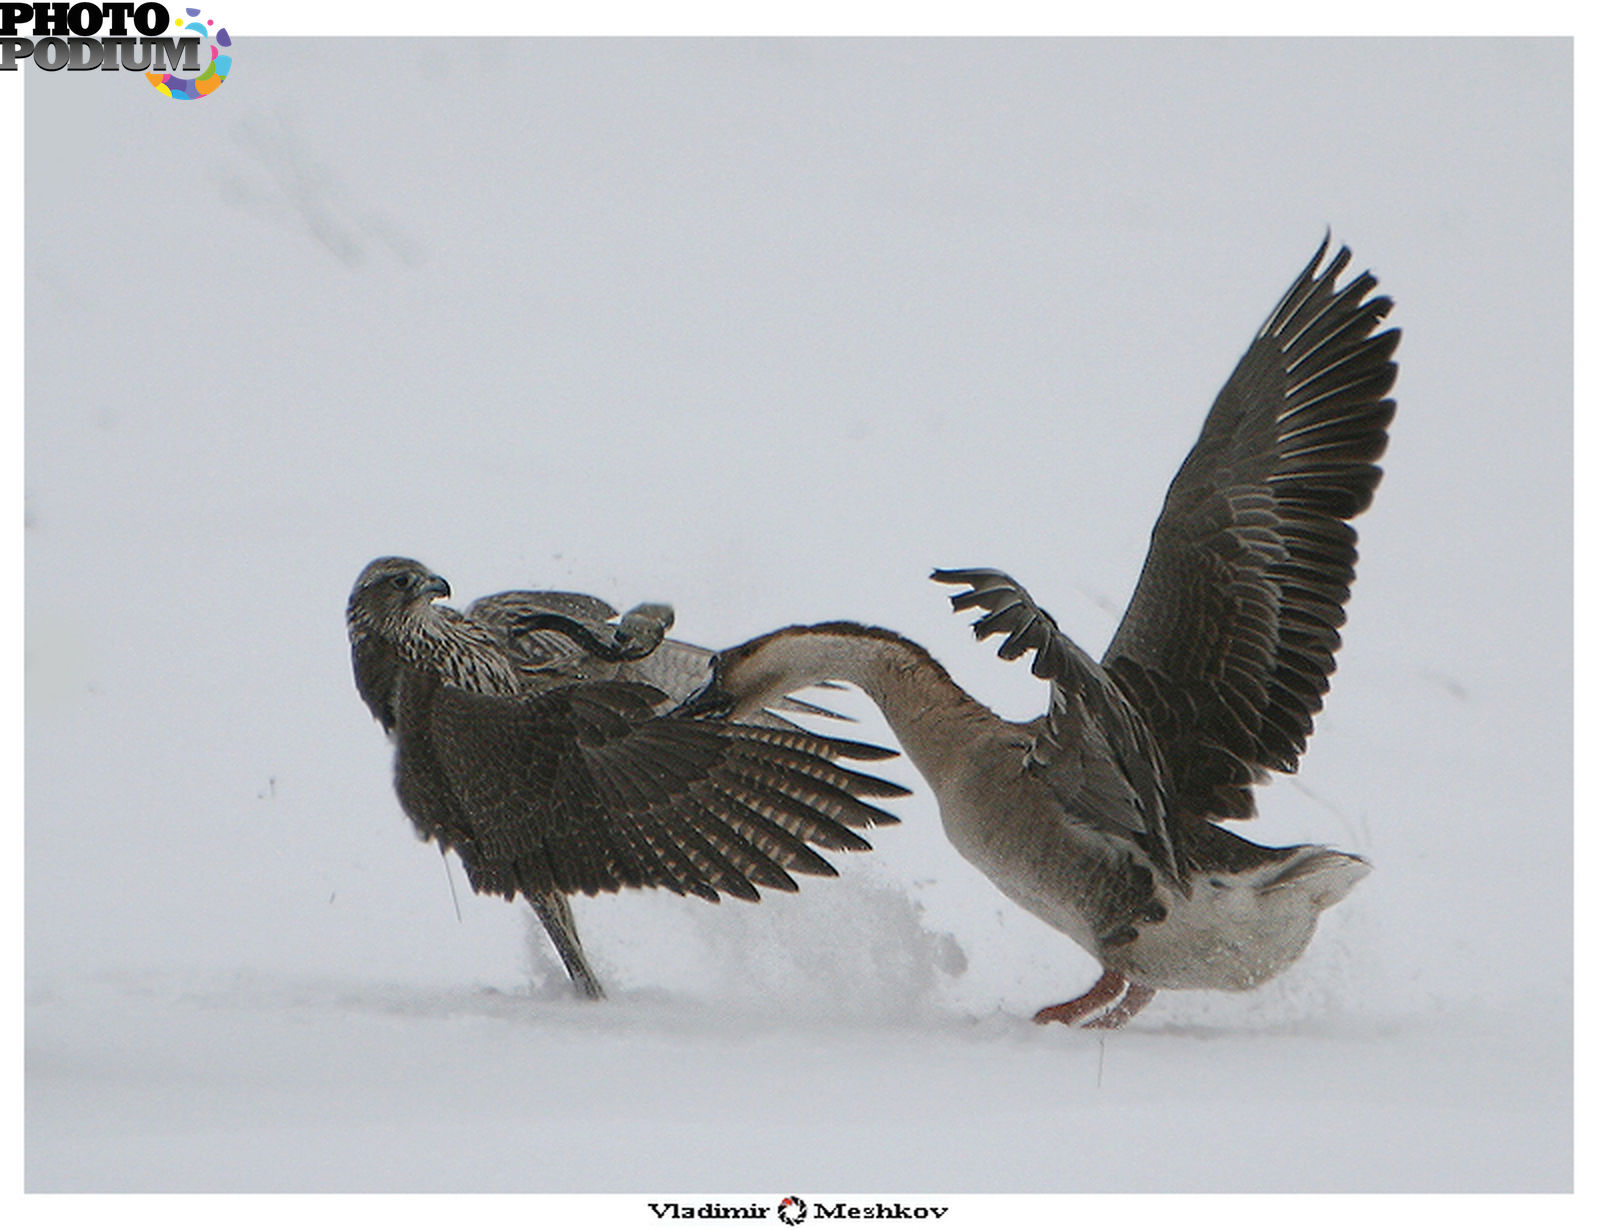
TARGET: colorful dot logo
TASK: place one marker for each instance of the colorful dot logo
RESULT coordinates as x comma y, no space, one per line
214,59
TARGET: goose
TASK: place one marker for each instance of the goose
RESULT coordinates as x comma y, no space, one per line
544,744
1102,815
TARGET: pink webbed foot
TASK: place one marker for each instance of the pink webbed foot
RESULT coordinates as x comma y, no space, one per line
1115,1018
1110,1004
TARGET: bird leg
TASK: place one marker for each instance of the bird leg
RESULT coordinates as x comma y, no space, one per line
1100,1002
556,915
642,629
636,635
1115,1018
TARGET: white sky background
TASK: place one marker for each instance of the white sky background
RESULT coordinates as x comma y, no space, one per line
768,330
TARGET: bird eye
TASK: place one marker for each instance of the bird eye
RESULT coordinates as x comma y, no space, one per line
402,581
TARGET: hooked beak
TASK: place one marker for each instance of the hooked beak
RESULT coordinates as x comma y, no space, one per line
435,587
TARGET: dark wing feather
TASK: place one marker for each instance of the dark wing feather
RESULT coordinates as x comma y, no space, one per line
585,789
504,609
534,628
1228,642
552,636
1092,747
377,668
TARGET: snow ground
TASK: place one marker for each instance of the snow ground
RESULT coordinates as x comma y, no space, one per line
345,1084
767,330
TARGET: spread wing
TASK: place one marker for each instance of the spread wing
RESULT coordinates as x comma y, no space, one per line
1228,642
586,789
1092,748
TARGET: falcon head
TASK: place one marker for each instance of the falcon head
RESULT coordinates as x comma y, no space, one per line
389,590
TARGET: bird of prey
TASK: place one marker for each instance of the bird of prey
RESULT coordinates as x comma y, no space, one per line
541,742
1102,815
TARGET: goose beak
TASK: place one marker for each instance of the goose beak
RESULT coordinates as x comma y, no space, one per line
712,700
